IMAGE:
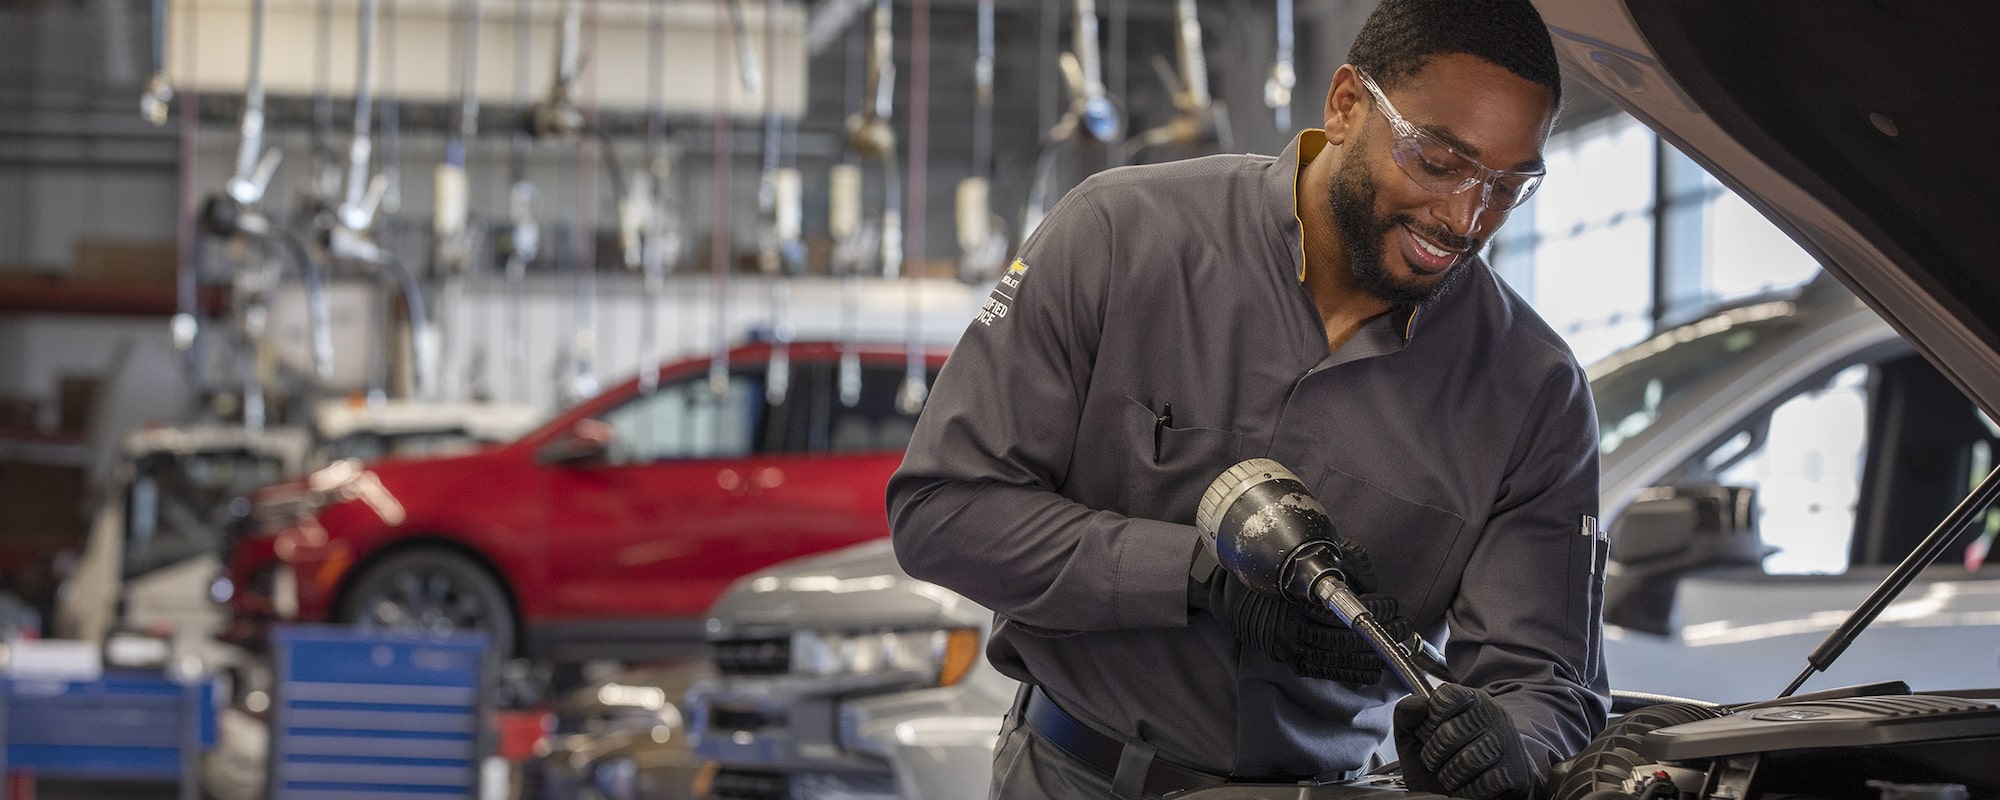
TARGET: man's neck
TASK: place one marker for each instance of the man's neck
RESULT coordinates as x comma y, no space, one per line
1343,305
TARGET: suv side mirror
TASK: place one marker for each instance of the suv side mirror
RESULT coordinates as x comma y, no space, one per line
588,442
1670,532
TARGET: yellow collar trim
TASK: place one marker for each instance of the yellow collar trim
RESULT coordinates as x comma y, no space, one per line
1311,142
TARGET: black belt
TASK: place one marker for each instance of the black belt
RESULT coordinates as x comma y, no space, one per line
1102,753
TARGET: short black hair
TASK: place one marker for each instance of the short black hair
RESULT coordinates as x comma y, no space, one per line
1402,35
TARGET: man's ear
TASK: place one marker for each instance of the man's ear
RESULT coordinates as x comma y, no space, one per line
1346,105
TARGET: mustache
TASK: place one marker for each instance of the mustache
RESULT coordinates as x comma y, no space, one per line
1439,234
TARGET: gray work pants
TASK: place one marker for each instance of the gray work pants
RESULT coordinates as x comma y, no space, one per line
1027,768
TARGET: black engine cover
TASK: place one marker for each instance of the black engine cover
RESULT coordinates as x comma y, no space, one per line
1833,747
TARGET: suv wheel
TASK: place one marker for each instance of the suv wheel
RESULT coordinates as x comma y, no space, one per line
433,591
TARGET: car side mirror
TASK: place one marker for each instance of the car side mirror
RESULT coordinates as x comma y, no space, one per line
588,442
1670,532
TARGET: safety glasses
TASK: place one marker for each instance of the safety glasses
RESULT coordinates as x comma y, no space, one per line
1437,167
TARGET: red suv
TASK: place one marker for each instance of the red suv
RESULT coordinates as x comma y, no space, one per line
606,532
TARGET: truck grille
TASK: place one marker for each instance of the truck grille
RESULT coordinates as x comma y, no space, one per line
753,656
743,784
732,719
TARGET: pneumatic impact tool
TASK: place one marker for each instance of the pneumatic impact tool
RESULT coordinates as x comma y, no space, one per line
1261,523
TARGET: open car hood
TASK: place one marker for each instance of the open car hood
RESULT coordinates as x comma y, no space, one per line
1861,129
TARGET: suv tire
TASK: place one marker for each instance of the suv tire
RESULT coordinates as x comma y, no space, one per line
431,590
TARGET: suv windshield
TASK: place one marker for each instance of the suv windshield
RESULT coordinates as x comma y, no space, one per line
178,504
1638,386
371,446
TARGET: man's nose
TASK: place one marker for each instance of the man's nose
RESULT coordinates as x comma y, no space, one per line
1463,213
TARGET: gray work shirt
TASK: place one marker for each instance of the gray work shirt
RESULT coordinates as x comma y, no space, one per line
1457,443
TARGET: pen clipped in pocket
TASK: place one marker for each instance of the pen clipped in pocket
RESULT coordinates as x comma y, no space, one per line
1169,463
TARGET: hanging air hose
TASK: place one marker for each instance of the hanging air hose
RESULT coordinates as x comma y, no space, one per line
746,56
451,257
583,376
1117,57
1200,118
871,135
556,116
351,236
186,327
982,236
640,214
386,188
720,245
1193,62
322,184
778,198
383,232
236,215
1091,111
321,188
850,235
254,168
391,132
910,399
425,343
523,242
357,206
854,243
1284,76
159,94
1095,109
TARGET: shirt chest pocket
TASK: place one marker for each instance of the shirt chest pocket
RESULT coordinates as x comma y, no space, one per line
1168,466
1413,546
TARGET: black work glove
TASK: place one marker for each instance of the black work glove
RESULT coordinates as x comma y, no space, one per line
1461,743
1312,641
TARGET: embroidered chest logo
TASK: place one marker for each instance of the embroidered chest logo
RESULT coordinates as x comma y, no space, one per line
1002,299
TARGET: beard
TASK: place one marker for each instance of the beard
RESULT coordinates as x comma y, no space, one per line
1363,232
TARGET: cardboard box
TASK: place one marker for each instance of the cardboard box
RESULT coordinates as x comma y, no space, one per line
40,519
132,264
40,503
76,402
20,414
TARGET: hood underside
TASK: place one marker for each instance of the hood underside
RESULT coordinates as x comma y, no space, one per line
1860,128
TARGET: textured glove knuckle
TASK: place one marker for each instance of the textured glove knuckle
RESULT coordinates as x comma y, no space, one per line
1383,606
1481,753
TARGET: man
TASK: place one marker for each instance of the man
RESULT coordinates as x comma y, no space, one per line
1326,309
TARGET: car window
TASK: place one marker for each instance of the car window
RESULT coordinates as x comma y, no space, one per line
1857,468
874,423
177,505
687,419
409,444
1807,474
1639,386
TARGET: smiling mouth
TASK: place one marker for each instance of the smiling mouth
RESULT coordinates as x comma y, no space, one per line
1430,258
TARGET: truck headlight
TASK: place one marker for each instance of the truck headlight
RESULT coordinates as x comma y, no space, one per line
939,657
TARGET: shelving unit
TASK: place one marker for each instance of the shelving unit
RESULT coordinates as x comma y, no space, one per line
46,295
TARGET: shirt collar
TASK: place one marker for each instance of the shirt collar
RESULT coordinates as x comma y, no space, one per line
1283,184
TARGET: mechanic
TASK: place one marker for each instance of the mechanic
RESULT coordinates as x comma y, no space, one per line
1326,309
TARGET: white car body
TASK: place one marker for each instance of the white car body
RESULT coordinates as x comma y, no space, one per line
173,599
